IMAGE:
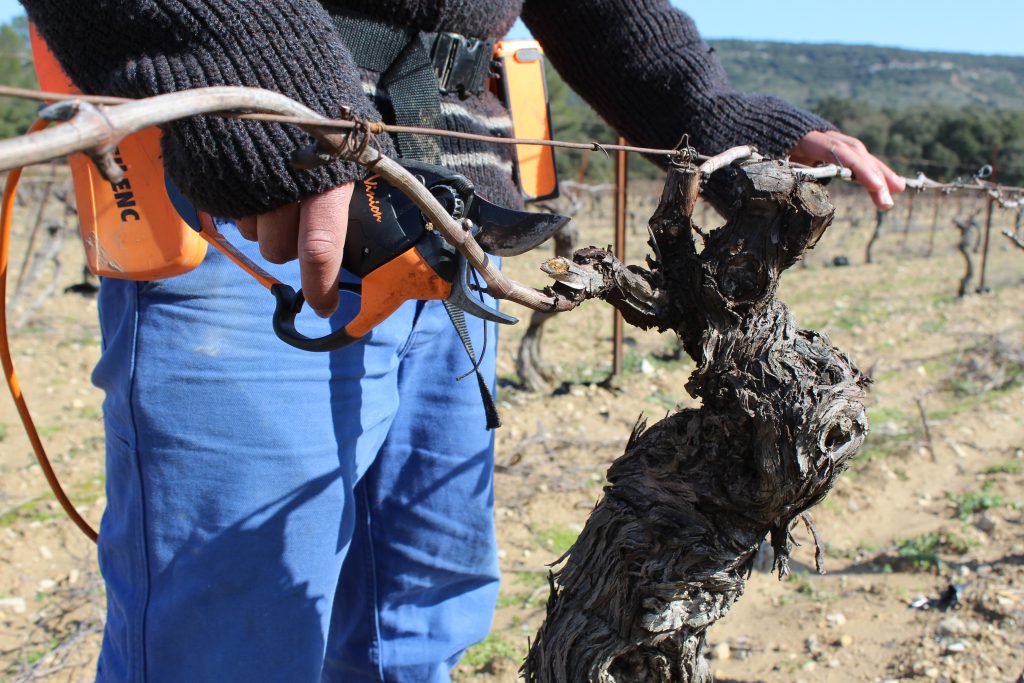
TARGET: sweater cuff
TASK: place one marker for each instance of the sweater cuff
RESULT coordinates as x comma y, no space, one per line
770,122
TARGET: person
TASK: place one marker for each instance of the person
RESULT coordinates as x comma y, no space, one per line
278,515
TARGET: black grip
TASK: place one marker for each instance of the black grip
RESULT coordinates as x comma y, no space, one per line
289,303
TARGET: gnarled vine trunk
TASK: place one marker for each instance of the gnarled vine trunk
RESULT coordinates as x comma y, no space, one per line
667,549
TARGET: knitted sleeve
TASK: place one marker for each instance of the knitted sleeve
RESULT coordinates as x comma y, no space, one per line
138,48
644,67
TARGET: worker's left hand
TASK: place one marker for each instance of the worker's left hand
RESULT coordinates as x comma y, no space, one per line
833,147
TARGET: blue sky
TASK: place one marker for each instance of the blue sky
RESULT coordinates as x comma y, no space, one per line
947,25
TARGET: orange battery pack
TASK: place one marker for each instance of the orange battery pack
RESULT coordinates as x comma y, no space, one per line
130,229
523,88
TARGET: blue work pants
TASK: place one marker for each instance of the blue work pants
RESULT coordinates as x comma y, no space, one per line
282,515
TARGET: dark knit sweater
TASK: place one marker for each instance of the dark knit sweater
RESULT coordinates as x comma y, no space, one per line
640,63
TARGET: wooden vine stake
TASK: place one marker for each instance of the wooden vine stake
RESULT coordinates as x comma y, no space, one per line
666,551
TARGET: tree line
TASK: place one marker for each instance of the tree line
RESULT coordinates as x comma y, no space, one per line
943,142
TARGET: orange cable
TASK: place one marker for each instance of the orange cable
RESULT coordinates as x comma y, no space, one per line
6,216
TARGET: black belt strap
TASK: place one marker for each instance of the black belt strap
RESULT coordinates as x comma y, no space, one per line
374,44
412,87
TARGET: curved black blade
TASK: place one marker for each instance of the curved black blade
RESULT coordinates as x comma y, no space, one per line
505,232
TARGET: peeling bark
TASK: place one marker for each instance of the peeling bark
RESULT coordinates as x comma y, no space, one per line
666,551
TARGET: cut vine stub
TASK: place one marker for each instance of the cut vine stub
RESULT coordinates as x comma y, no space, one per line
668,548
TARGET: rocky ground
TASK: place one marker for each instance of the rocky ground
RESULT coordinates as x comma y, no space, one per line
924,535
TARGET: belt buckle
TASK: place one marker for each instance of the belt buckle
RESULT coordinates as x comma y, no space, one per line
460,63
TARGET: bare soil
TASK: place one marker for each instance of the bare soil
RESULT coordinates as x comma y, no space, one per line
920,510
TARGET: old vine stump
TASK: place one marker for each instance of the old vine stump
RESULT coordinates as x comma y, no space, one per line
666,551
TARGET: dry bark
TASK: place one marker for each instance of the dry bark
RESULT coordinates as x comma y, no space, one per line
968,229
879,220
666,551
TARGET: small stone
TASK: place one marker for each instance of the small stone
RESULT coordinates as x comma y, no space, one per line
16,605
986,524
931,673
836,619
811,644
951,627
809,666
502,668
958,646
74,575
722,652
47,585
45,552
833,663
646,367
845,640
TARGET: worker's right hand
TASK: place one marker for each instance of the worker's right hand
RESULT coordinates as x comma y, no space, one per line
313,231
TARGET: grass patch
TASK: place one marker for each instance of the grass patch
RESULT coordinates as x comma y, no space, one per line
534,582
39,509
50,430
558,539
492,647
806,590
36,510
90,413
971,502
1010,467
663,400
922,552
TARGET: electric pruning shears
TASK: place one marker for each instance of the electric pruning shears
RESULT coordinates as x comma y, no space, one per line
392,249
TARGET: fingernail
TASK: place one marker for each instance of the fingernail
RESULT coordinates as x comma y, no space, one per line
327,312
885,198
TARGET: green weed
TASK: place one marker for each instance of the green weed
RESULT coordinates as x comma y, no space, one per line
50,430
922,552
970,502
806,589
1010,467
492,647
90,413
558,539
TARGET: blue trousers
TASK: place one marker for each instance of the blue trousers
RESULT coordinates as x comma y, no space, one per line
281,515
